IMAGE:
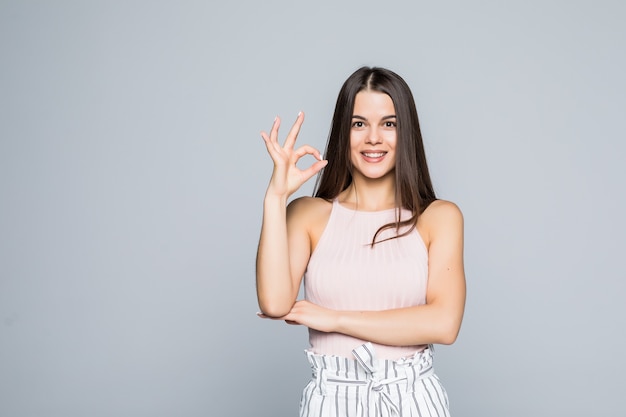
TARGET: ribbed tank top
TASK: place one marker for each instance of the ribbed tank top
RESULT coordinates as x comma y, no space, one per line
346,273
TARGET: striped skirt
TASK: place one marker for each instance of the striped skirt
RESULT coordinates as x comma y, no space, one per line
368,387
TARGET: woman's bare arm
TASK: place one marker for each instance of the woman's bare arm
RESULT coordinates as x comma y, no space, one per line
284,244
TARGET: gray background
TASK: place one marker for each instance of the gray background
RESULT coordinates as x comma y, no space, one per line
132,175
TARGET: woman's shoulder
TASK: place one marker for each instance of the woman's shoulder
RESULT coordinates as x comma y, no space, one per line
309,209
442,208
440,217
309,214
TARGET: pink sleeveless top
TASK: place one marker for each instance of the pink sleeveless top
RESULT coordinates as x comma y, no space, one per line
346,273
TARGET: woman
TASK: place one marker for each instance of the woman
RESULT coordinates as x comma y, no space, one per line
381,256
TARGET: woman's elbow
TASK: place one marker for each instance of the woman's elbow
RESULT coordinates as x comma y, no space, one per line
274,303
449,333
448,338
274,309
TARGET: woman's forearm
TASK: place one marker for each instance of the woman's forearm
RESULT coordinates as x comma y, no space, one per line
275,291
417,325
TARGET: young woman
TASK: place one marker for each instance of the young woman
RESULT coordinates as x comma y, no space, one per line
381,256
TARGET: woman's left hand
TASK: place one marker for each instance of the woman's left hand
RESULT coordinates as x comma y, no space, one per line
310,315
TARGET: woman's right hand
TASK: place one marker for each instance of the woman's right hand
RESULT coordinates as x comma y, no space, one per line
287,177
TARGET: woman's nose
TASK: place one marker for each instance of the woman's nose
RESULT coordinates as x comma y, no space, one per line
373,137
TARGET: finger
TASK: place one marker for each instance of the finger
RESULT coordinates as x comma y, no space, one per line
293,323
271,139
314,169
272,148
263,316
266,139
307,150
295,130
274,129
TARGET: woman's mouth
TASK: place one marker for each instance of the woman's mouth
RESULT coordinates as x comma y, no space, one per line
373,157
374,154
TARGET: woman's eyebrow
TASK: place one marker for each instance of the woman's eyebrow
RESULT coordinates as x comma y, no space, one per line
356,116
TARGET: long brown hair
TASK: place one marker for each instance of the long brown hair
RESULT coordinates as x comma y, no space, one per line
414,190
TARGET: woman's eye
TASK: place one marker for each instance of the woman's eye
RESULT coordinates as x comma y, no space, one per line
357,124
390,124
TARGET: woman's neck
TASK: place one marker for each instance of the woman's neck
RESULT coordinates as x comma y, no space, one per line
369,194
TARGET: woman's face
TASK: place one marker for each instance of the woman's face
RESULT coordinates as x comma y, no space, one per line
373,135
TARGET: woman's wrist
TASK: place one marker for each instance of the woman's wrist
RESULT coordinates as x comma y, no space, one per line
272,199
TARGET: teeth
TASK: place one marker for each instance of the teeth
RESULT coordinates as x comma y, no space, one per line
374,155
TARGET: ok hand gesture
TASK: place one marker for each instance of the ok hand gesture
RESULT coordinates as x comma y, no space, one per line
287,177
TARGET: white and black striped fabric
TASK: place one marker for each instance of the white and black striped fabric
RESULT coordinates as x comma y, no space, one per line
368,387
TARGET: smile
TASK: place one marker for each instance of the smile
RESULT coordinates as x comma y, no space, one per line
374,154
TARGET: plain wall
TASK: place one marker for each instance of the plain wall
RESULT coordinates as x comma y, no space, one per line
132,175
